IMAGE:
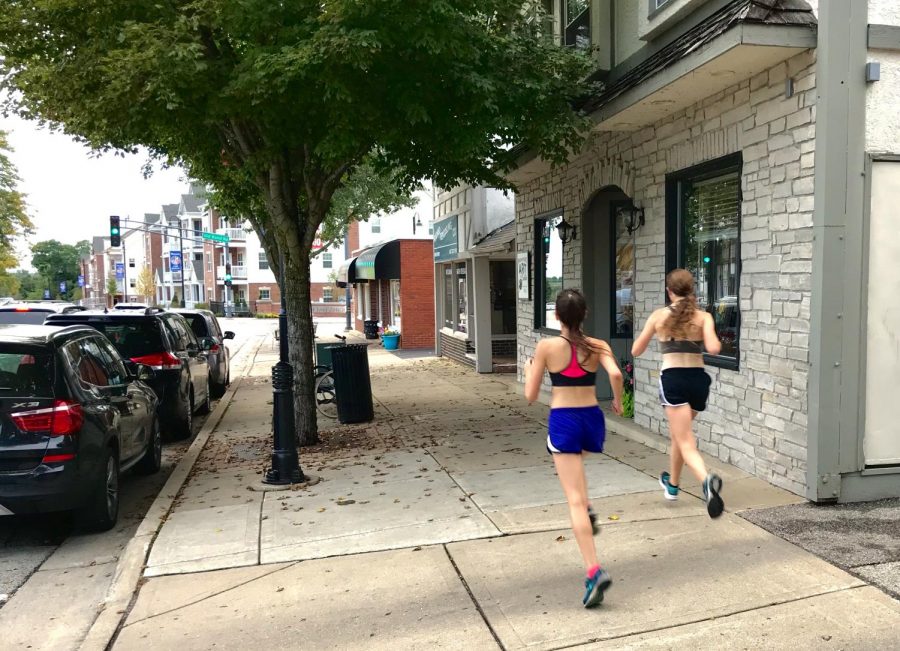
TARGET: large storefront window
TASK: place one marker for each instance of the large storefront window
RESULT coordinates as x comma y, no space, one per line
456,297
623,274
704,238
549,271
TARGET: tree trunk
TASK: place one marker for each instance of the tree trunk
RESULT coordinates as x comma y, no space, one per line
300,342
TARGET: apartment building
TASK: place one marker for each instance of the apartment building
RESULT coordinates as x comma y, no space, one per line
755,143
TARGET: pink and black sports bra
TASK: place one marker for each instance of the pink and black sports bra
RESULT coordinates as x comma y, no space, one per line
574,375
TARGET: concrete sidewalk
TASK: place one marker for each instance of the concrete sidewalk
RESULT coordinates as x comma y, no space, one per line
442,524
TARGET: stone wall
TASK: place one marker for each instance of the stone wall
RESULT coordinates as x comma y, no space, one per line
757,417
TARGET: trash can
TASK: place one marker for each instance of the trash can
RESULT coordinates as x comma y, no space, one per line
352,385
323,353
370,329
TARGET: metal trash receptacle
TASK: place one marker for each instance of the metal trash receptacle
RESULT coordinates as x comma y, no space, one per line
352,384
323,353
370,329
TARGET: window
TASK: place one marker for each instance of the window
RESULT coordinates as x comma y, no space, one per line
462,298
431,227
265,294
327,260
113,360
655,5
548,271
132,283
577,21
623,272
131,262
263,260
198,256
327,294
448,297
209,265
703,224
375,223
198,228
456,297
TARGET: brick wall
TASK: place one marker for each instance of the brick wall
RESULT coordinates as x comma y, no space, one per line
757,418
457,349
273,305
417,293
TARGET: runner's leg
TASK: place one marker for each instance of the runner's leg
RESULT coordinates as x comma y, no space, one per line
680,428
570,470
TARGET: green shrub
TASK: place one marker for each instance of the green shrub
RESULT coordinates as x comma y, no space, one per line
201,306
265,315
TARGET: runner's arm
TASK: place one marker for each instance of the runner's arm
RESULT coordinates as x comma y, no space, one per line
711,341
611,366
640,344
534,373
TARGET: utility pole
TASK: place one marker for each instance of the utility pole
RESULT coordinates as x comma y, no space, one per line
228,310
124,271
181,246
348,294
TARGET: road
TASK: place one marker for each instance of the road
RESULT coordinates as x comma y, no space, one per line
45,558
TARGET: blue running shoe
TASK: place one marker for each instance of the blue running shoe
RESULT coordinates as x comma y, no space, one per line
593,517
594,588
712,486
670,491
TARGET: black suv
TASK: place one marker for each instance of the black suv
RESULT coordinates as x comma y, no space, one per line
164,342
73,415
206,326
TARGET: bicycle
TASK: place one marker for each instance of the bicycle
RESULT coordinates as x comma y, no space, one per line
326,396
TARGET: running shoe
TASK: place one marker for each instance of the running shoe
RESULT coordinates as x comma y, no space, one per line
593,516
670,491
595,587
712,486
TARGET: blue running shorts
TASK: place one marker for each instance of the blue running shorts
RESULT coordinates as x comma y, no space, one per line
574,430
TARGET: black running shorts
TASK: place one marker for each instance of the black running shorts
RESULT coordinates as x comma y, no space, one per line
684,386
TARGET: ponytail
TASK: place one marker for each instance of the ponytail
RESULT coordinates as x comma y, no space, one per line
681,283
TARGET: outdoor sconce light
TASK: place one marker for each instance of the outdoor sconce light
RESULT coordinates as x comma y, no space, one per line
635,217
566,231
417,222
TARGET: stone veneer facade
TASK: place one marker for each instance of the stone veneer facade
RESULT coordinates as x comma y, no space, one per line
757,416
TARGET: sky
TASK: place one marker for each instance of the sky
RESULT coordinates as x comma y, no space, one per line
71,193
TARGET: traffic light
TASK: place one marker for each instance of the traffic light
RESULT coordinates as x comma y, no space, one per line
228,275
115,233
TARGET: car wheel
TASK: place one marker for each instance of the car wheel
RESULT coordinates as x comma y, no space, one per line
151,462
184,428
102,510
206,407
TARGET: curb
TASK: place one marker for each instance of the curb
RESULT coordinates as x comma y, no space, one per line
129,569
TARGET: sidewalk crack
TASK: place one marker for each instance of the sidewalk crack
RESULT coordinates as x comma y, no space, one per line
477,605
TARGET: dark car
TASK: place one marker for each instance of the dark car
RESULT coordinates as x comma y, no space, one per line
73,415
165,342
206,327
34,312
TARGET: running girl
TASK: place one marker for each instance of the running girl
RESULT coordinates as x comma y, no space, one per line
683,331
576,422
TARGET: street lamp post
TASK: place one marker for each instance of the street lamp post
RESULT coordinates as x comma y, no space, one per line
285,467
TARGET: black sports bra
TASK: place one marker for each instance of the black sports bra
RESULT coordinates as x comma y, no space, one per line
681,346
574,375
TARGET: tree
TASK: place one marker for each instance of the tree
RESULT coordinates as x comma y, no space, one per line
31,285
112,288
146,285
14,220
56,262
278,105
9,284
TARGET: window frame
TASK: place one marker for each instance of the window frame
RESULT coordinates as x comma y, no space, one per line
262,261
733,163
327,260
654,7
268,291
327,294
613,210
375,224
539,300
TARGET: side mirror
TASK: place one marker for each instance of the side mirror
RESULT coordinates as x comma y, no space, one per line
145,373
228,334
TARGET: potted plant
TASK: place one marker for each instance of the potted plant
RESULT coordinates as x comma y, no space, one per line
391,338
628,393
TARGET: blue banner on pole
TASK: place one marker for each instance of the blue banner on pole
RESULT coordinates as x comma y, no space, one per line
81,281
175,260
62,286
120,271
47,294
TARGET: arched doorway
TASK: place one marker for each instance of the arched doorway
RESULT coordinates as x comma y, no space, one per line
608,274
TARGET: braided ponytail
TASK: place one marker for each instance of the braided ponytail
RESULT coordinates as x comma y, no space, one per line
681,283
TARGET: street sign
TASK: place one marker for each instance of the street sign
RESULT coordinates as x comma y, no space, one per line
174,260
62,287
47,294
215,237
81,281
120,271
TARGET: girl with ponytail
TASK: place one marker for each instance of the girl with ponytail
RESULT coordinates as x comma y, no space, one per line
576,423
683,332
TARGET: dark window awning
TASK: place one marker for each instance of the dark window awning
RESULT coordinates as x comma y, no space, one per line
499,241
346,273
381,261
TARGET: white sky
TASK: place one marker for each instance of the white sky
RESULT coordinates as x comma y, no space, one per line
71,194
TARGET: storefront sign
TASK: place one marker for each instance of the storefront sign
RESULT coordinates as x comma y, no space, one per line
523,275
446,239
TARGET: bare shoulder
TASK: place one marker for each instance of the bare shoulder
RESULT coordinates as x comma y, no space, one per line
599,344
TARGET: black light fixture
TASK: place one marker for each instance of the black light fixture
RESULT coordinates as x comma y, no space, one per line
635,217
567,232
417,222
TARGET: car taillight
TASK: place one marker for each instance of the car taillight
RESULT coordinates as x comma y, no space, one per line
164,361
214,348
23,309
62,419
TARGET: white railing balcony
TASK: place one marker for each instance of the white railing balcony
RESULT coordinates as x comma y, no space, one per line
238,272
234,234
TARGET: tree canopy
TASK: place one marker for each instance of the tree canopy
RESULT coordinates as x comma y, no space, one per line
56,262
277,104
14,219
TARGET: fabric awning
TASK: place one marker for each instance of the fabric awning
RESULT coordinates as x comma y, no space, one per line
346,273
381,261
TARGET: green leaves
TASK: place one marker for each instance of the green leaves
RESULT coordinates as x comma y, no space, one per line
14,219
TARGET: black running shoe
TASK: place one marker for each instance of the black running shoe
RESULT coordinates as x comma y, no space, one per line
593,517
712,486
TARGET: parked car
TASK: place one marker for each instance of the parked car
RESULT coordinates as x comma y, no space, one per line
130,306
165,342
34,312
207,329
73,415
